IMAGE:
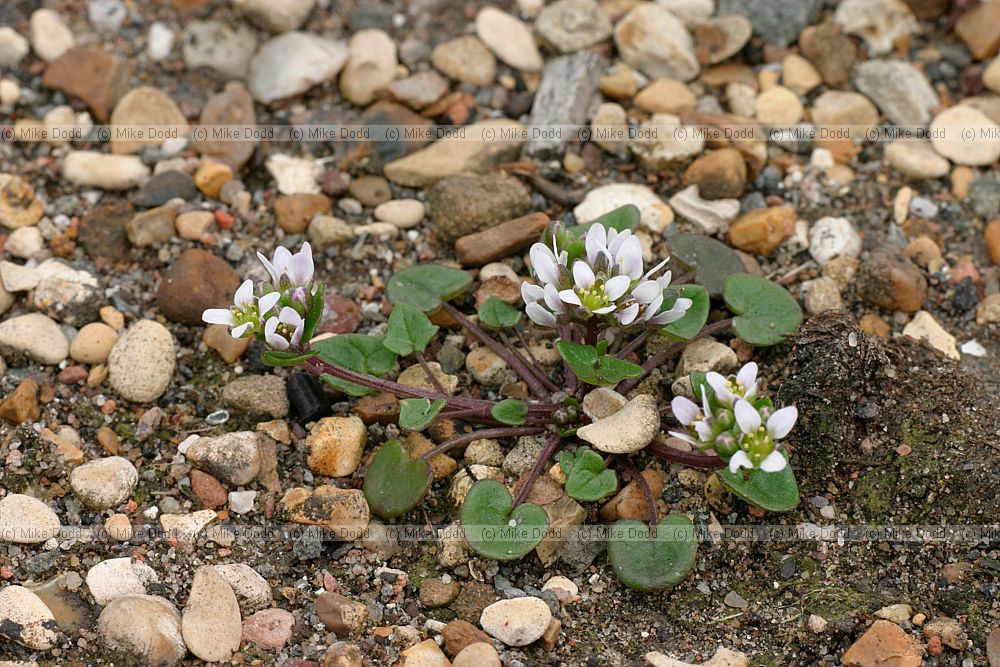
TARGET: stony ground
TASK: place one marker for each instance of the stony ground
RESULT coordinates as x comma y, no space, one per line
123,416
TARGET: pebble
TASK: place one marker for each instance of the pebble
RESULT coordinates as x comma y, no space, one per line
293,63
774,21
21,405
163,187
977,27
949,631
13,47
571,25
159,41
211,176
763,230
258,395
33,335
603,126
654,214
344,512
117,577
195,281
516,622
723,657
799,75
341,615
465,59
104,171
294,175
838,107
883,643
717,39
118,527
465,204
370,66
486,367
946,136
26,520
276,17
830,50
706,354
991,237
626,431
232,106
403,213
436,593
141,363
916,158
667,147
719,174
193,225
509,39
145,629
890,281
144,105
24,242
104,483
96,77
25,619
479,654
223,49
630,502
153,226
897,613
778,106
425,654
370,190
233,458
185,527
652,40
252,590
898,89
50,38
602,402
336,446
711,216
924,327
832,237
822,294
18,205
879,22
210,623
269,629
326,231
565,589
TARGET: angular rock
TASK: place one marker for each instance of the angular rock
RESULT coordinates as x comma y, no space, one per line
293,63
464,204
884,643
211,624
654,214
233,458
224,50
21,405
712,216
979,28
252,590
890,281
830,50
879,22
652,40
341,615
718,174
724,657
924,327
257,394
564,96
762,230
833,237
777,22
898,89
141,363
336,445
626,431
720,38
344,512
95,77
153,226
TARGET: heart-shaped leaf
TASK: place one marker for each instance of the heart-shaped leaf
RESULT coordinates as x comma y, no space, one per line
355,352
587,478
595,368
653,560
773,491
425,287
497,314
711,260
694,319
416,414
510,411
285,358
766,311
496,532
621,218
409,330
395,483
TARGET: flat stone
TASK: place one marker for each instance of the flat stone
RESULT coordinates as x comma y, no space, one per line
883,644
293,63
163,187
196,281
711,216
509,38
762,230
777,22
104,483
144,106
516,622
659,144
666,96
778,106
117,577
94,76
344,512
233,458
211,624
25,619
656,43
706,354
153,226
370,66
403,213
218,338
222,49
18,205
564,96
654,214
822,294
103,171
294,175
898,89
948,136
21,405
24,242
269,629
479,654
503,240
141,363
186,527
257,394
294,212
571,25
830,50
26,520
464,204
145,629
916,158
336,446
419,90
233,106
626,431
465,59
425,654
34,336
837,107
924,327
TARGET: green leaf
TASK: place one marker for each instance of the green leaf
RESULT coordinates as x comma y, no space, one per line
315,313
694,319
284,358
653,560
425,287
621,218
510,411
773,491
409,330
498,314
395,484
358,353
416,414
766,311
495,531
711,260
587,478
594,368
699,379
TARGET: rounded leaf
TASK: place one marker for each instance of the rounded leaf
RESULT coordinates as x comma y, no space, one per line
425,287
395,484
765,311
495,531
653,560
772,491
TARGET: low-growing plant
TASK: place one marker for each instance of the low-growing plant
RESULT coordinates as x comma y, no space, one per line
593,295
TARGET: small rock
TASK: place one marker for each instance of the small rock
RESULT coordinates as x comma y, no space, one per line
719,38
833,237
269,629
145,629
344,512
193,225
777,22
460,634
465,59
294,212
25,619
628,430
257,394
897,613
924,327
242,502
294,175
719,174
879,22
185,527
293,63
18,205
822,294
94,76
978,28
778,106
141,363
163,187
516,622
425,654
326,231
196,281
21,405
630,502
948,131
50,38
24,242
706,354
233,458
341,615
837,107
991,238
252,590
116,577
336,446
762,230
724,657
370,66
103,171
651,39
883,643
26,520
211,624
33,335
602,402
898,89
571,25
211,176
144,106
160,41
218,338
118,527
711,216
403,213
461,205
276,17
223,49
890,281
419,90
104,483
233,106
153,226
479,654
436,593
654,214
799,75
509,38
916,158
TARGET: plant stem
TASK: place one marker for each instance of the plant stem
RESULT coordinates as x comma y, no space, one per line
669,351
566,333
536,469
503,432
429,373
647,492
533,366
664,451
635,344
514,362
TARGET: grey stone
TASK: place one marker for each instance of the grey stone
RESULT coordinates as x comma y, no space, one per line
775,21
563,98
898,89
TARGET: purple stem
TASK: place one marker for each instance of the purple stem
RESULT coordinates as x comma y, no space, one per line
635,344
504,432
531,363
669,351
691,459
536,469
513,361
430,375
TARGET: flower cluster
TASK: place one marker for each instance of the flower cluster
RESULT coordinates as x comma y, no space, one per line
742,427
608,281
276,311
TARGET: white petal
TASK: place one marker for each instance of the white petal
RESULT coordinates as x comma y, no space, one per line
664,318
282,256
685,410
267,302
682,304
630,258
543,261
704,430
781,422
531,293
746,416
605,310
773,462
705,407
617,240
570,297
583,275
627,316
539,315
747,375
739,460
683,436
720,386
656,268
275,274
219,316
300,266
653,309
289,316
616,287
271,336
646,291
244,295
552,299
596,242
241,329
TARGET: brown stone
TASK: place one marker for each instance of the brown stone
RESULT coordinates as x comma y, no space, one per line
459,634
21,405
500,287
762,230
211,176
550,637
666,96
95,77
890,281
344,512
979,28
218,338
370,190
233,106
992,238
18,205
630,502
196,281
501,241
144,106
830,50
874,325
382,408
928,10
293,212
340,654
884,645
153,226
416,445
209,490
340,315
720,174
102,230
475,597
435,593
341,615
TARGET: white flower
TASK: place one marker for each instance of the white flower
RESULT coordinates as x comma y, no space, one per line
285,330
743,385
758,446
298,268
697,419
245,315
